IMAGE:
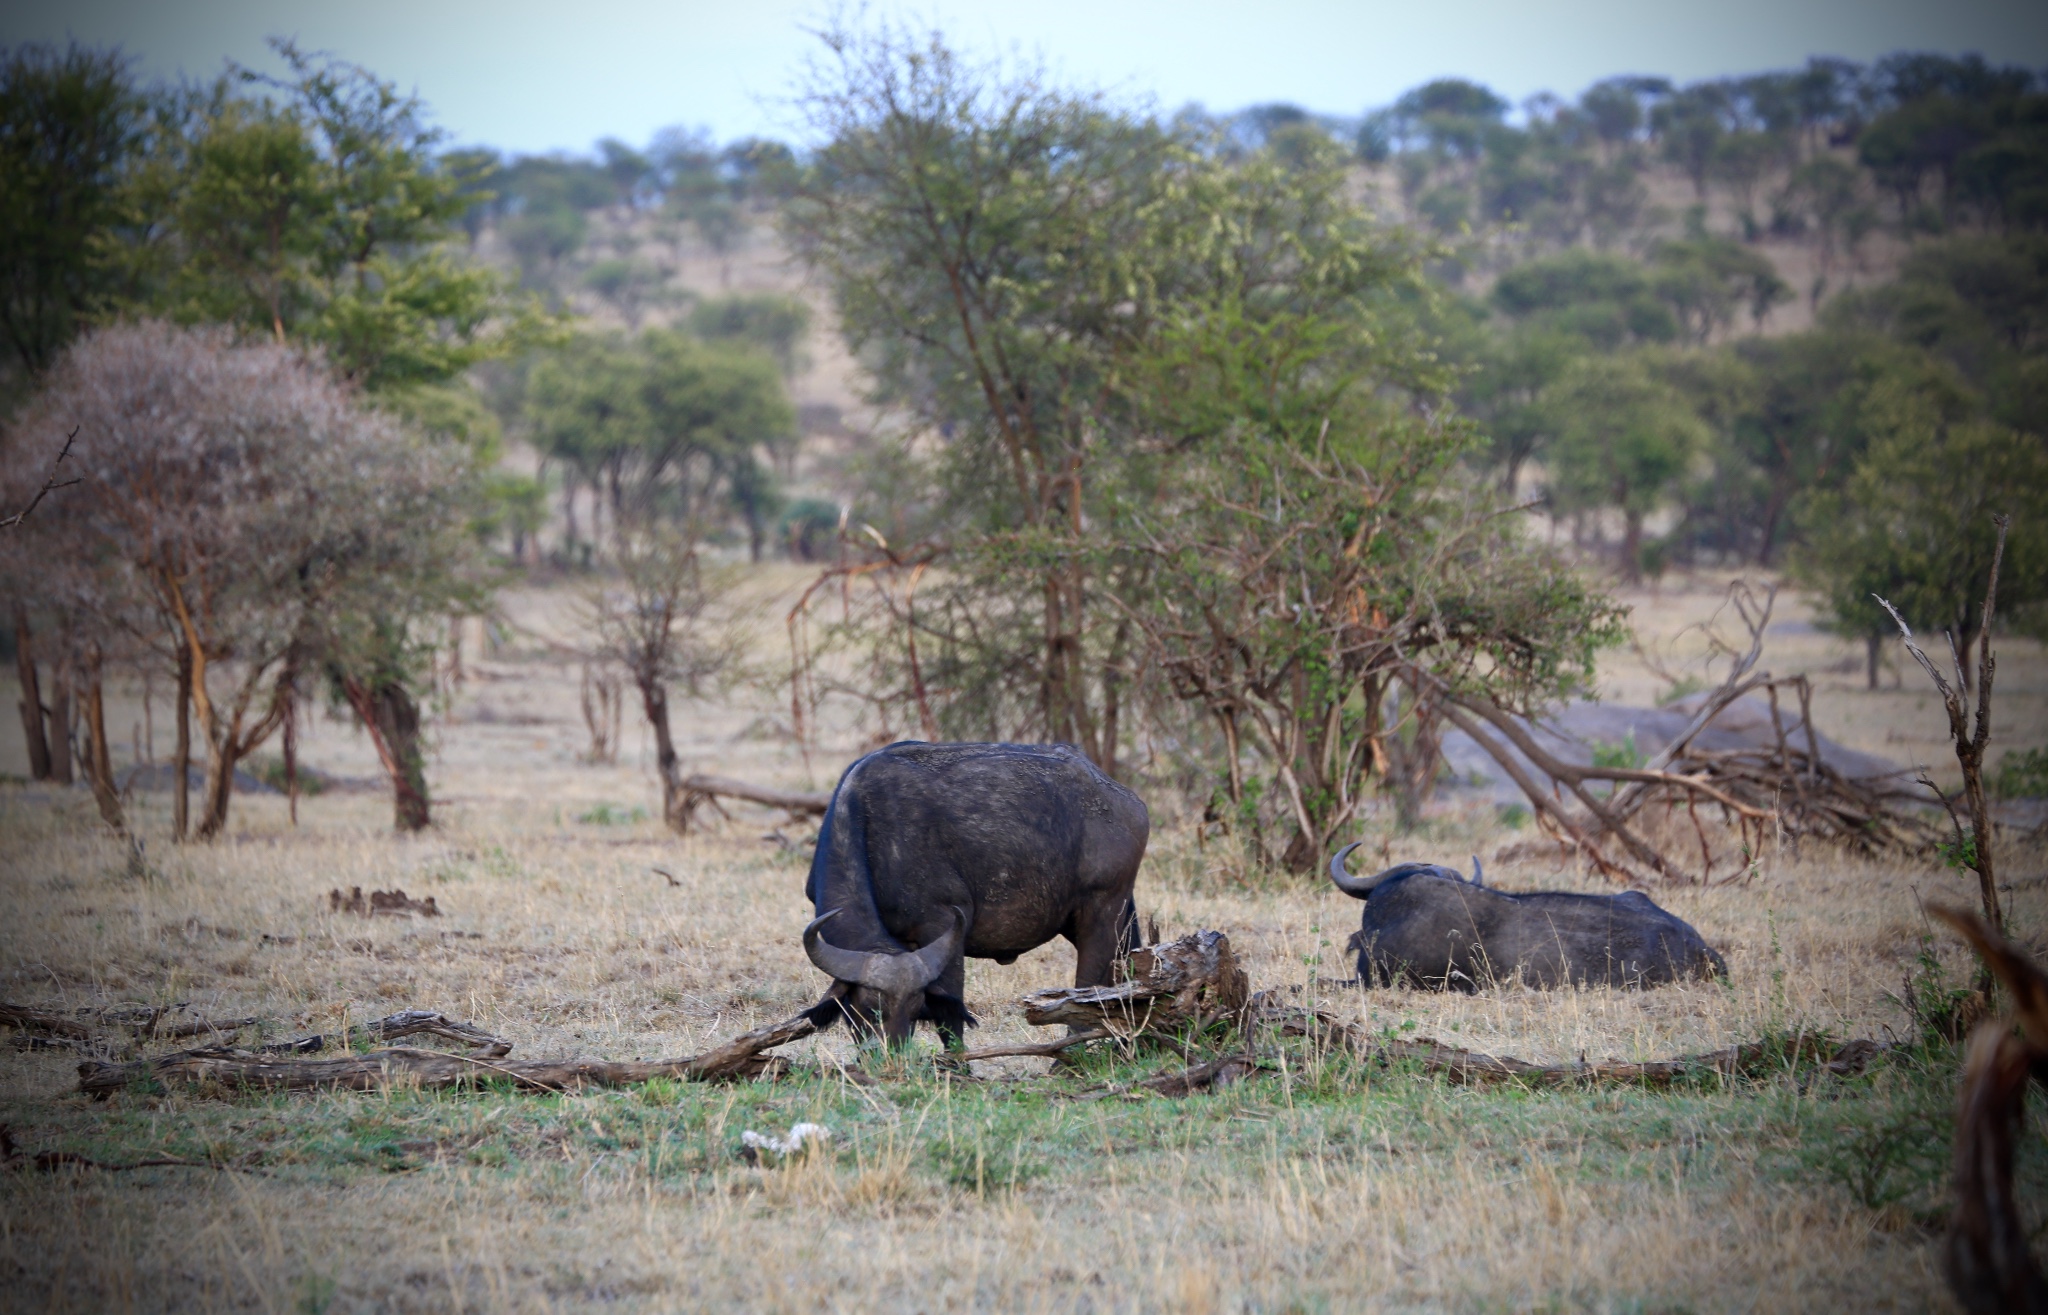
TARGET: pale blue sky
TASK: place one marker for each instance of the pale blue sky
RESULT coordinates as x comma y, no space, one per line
534,75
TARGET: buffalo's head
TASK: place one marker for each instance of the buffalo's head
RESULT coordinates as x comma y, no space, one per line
879,989
1360,887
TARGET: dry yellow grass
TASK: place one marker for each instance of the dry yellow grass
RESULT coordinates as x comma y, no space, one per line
1308,1190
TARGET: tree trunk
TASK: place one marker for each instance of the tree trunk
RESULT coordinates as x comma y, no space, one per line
60,723
569,515
1632,547
392,717
31,699
181,807
291,747
220,788
1873,649
99,764
654,702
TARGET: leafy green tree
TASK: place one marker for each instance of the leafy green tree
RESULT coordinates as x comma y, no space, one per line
1691,124
1607,301
1796,430
1740,160
772,323
317,215
1317,546
666,429
72,126
1977,304
712,413
1913,524
991,247
1152,376
1623,440
1706,280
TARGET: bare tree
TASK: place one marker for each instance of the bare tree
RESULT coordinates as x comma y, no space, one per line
235,506
659,625
1973,852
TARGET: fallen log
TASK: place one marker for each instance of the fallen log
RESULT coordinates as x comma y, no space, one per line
795,801
39,1022
393,1027
232,1069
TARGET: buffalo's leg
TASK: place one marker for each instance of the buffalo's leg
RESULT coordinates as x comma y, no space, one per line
945,1004
1128,934
1098,935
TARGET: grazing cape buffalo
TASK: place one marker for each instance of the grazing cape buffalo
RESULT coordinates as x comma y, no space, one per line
934,852
1429,926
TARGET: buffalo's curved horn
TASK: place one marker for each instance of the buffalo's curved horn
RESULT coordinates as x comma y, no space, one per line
891,974
1355,887
841,965
1478,877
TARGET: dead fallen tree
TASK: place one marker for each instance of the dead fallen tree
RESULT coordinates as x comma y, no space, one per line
699,790
231,1069
142,1022
1782,786
1988,1264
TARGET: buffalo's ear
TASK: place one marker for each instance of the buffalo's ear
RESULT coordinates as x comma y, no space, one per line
828,1009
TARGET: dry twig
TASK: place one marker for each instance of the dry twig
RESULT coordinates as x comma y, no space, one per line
1969,741
49,485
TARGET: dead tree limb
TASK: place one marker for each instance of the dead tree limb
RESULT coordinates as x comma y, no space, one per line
1970,741
698,788
1574,778
49,485
39,1022
1545,804
221,1066
394,1027
1986,1259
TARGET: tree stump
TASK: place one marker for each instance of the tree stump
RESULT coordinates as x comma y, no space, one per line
1181,986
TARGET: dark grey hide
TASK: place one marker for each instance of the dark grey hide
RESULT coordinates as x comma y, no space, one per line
934,853
1428,926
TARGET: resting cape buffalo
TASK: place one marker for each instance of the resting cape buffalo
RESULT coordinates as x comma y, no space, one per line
933,852
1429,926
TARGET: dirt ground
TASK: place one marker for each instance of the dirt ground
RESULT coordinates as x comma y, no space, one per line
575,926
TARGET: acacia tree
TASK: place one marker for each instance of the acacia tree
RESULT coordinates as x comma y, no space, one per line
1001,253
1622,440
237,510
986,243
1914,524
1322,564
